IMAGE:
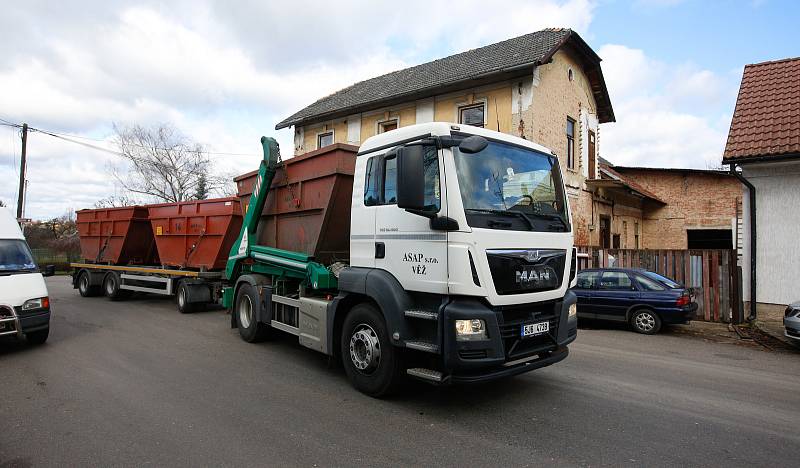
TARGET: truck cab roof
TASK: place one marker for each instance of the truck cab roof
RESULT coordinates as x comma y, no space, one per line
9,228
414,132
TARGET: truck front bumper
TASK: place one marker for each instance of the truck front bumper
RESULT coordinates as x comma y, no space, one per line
505,351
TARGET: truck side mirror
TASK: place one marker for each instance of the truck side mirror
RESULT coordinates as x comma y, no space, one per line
473,144
411,177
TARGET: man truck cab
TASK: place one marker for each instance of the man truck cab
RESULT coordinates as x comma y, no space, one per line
24,303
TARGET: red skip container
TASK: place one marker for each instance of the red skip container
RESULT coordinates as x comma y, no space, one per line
196,234
117,236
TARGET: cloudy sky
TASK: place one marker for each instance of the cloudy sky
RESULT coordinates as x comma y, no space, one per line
225,72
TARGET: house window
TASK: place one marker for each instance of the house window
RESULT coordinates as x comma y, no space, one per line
570,143
472,115
636,234
324,139
387,126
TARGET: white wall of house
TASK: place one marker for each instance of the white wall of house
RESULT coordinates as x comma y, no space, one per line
777,187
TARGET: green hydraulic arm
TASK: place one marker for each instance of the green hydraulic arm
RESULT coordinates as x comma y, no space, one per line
245,256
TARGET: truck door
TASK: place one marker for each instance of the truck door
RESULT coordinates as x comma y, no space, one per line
362,216
405,245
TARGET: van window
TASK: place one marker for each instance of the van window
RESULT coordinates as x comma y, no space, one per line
15,256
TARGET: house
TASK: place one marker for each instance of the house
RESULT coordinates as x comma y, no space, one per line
699,209
546,86
763,150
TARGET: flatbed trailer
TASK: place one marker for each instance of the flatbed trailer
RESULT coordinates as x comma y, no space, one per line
191,289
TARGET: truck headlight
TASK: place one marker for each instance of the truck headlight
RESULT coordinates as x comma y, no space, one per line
473,329
573,310
38,303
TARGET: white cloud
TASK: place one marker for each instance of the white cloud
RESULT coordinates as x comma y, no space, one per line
662,111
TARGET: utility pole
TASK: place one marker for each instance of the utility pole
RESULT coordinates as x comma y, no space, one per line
21,197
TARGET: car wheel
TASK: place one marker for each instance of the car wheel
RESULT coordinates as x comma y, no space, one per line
84,285
38,337
645,321
245,310
370,360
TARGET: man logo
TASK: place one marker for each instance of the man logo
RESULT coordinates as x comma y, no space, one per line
532,256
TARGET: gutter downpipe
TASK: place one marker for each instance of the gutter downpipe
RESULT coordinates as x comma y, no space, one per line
752,196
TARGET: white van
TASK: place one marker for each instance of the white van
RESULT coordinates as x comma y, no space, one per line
24,304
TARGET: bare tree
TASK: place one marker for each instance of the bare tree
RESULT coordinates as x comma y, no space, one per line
113,201
162,163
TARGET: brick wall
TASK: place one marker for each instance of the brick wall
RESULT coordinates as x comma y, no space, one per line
695,200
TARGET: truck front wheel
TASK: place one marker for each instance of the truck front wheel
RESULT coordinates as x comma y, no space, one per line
246,312
371,362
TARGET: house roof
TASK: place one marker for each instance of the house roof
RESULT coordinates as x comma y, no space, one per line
613,179
504,60
766,122
718,172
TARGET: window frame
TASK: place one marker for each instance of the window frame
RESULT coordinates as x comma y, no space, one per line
631,280
571,143
475,105
382,123
332,132
378,165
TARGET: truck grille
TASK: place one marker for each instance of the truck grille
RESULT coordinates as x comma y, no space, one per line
520,271
511,320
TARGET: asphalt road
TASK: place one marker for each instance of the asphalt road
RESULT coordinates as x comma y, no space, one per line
137,383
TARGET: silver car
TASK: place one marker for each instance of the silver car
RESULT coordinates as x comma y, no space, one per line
791,321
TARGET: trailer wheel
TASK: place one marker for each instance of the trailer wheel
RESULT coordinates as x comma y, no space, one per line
372,364
245,311
182,298
111,287
85,287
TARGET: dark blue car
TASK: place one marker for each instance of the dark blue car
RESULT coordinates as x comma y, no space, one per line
642,298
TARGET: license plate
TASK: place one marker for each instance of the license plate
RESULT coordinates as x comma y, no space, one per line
533,329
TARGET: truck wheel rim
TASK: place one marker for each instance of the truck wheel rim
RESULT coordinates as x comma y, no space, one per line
110,286
245,312
84,283
181,297
365,349
645,322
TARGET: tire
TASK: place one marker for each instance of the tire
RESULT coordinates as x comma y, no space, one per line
371,362
245,311
111,288
38,337
645,321
84,285
182,299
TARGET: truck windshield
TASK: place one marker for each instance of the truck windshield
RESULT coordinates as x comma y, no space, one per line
510,187
15,256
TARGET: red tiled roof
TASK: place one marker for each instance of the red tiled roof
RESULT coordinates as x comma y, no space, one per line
766,122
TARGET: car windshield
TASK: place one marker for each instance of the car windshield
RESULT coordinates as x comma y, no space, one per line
519,187
663,279
15,256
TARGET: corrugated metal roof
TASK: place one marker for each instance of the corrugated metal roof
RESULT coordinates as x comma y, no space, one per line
766,122
421,80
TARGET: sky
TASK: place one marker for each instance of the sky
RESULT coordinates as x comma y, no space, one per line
225,72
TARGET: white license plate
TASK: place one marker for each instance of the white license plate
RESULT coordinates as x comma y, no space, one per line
533,329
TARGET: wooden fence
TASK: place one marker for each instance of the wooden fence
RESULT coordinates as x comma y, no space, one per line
713,275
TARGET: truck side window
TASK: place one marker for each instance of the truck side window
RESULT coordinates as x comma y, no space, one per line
432,191
390,181
370,184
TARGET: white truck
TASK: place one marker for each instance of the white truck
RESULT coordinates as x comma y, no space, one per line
460,262
24,302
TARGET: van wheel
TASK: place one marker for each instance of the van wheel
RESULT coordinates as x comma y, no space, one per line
371,361
38,337
246,313
645,321
111,287
84,285
182,299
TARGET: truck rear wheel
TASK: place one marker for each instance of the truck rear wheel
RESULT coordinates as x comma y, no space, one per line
111,287
245,311
85,287
372,364
182,299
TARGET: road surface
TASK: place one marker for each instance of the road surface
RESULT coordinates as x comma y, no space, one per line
137,383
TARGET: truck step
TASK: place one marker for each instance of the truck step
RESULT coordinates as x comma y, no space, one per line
422,314
426,374
423,346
